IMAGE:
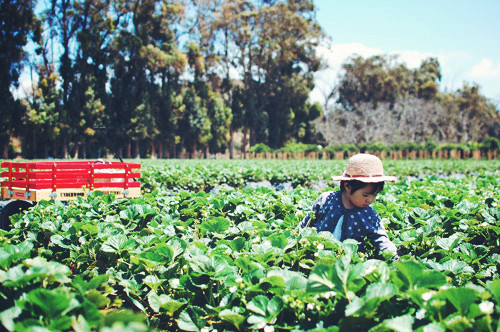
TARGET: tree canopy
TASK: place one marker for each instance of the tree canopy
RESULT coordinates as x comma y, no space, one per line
382,100
171,78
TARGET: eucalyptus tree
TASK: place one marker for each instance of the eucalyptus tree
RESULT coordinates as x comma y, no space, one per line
41,122
286,60
192,125
238,117
95,26
233,32
220,119
147,68
61,23
128,89
271,47
17,24
229,37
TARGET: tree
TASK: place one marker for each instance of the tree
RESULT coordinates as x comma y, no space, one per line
367,81
17,24
381,78
193,120
238,115
427,78
41,118
220,117
476,117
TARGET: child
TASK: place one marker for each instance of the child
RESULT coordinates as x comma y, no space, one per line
347,213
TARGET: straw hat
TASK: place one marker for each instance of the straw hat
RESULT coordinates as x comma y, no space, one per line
365,168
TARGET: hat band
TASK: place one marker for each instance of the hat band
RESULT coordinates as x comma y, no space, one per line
363,176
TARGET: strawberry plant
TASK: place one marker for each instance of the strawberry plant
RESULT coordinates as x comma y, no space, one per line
235,260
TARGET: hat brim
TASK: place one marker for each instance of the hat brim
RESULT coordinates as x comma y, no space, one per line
366,179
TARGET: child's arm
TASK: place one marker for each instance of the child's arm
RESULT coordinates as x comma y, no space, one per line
379,238
311,219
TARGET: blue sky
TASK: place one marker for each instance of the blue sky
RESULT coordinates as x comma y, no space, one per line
463,34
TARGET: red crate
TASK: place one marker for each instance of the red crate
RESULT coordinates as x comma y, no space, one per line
67,180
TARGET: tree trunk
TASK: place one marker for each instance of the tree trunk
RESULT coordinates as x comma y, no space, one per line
137,151
193,153
153,151
5,153
244,146
231,144
160,150
34,143
75,156
65,148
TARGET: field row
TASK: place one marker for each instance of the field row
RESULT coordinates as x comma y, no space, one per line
204,175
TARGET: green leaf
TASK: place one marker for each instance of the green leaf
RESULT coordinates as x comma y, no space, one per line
215,225
232,317
62,323
411,275
165,250
133,212
118,243
494,287
367,305
321,279
458,323
398,324
40,269
8,316
460,297
83,286
256,322
122,317
97,298
449,243
278,241
51,302
164,302
153,281
238,243
246,264
432,327
178,246
340,277
192,319
293,280
258,304
90,228
274,307
13,253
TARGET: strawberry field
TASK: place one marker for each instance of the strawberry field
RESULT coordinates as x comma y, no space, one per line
214,246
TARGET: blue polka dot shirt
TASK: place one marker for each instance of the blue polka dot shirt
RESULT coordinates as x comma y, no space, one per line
357,222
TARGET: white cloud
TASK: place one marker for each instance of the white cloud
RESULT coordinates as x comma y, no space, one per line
485,69
413,59
334,55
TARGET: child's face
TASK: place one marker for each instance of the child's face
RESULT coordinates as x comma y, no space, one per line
360,198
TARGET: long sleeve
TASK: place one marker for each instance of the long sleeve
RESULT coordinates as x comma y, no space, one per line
378,236
315,209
